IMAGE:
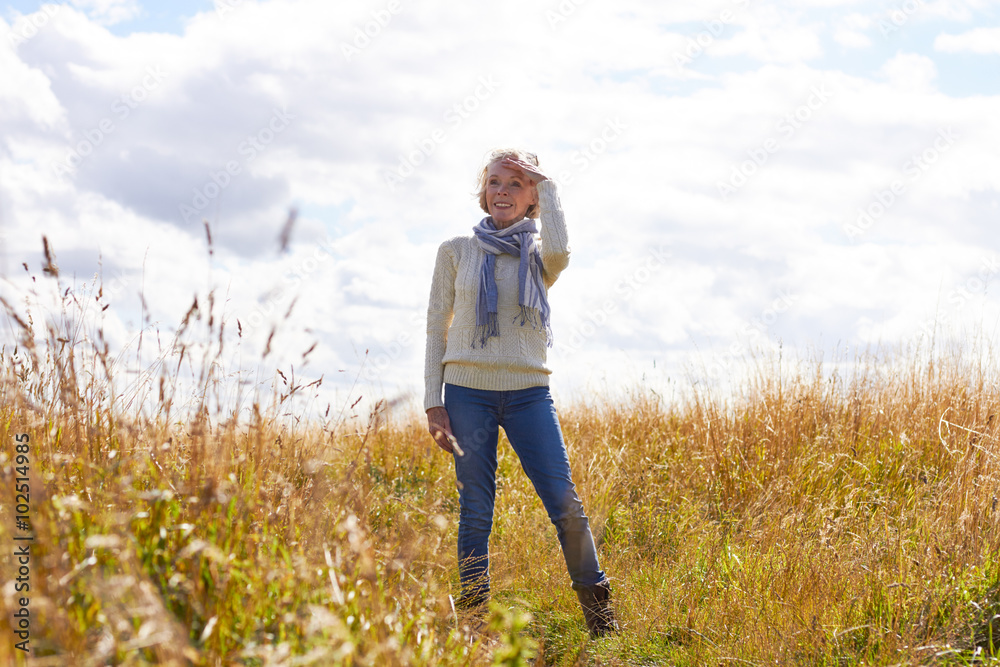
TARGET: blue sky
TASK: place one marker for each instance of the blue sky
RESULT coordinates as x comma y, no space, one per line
736,175
161,17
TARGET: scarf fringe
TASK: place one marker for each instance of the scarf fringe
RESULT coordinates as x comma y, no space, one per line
486,331
531,316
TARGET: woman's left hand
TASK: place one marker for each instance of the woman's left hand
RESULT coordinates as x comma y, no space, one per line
531,172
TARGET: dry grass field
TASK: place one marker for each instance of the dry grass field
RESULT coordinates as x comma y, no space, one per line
809,518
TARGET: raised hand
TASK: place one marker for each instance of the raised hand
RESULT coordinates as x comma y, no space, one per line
530,171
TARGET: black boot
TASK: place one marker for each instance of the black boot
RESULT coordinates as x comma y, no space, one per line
474,602
597,610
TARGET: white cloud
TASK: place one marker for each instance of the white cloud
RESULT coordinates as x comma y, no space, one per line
979,40
156,120
771,37
852,39
850,30
910,72
109,12
954,10
25,95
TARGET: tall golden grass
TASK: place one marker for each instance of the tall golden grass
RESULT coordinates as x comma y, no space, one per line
812,517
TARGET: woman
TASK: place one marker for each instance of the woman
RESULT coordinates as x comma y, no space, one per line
487,333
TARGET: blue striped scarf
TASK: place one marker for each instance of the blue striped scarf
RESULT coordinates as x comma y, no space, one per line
517,240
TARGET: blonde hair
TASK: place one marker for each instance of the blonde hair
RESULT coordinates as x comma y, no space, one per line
494,157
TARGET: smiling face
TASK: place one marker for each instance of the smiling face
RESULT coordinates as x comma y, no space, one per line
509,195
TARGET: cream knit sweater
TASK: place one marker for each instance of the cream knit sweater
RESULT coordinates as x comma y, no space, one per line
515,359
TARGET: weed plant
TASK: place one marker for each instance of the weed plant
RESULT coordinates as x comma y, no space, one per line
820,515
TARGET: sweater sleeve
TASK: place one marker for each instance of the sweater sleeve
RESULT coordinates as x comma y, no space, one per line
555,242
440,311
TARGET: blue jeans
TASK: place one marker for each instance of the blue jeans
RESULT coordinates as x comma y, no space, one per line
528,417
